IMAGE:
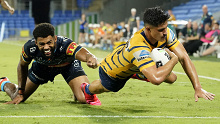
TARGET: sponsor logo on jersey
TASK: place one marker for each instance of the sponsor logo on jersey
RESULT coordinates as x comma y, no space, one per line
32,49
23,53
76,63
141,55
71,48
61,48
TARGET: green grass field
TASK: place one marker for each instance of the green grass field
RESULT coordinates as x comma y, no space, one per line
137,103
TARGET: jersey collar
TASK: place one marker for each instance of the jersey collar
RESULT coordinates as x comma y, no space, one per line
145,37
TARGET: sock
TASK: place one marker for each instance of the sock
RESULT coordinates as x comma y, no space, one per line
2,84
87,89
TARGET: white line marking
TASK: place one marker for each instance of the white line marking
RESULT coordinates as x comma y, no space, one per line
200,76
103,116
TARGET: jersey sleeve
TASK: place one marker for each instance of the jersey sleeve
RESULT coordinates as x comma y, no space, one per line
172,41
26,52
72,48
140,55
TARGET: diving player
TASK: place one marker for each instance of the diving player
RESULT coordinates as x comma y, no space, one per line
133,57
53,55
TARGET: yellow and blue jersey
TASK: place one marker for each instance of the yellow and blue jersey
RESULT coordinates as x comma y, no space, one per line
134,56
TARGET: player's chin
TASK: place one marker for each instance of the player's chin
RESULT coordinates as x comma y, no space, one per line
163,38
48,55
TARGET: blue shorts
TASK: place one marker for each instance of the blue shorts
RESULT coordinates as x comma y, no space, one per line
110,83
40,74
82,30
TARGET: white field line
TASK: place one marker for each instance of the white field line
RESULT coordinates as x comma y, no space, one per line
200,76
103,116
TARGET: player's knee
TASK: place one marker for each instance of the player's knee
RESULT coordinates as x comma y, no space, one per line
81,99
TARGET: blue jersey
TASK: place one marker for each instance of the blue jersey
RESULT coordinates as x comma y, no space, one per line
82,26
64,53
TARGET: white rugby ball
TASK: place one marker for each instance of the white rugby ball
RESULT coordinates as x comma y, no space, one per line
159,56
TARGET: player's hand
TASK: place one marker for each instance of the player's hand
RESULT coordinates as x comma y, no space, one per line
92,62
172,55
16,100
11,11
200,93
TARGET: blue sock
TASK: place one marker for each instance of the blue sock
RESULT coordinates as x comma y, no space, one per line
87,90
3,84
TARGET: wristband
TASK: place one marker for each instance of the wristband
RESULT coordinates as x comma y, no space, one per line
20,91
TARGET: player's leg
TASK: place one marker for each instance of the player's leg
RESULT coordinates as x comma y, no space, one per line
80,38
8,87
75,85
96,87
171,78
105,84
77,79
83,36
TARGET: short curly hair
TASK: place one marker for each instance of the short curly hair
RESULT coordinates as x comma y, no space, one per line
155,16
43,30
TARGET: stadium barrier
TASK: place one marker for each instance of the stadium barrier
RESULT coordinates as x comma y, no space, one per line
71,29
2,31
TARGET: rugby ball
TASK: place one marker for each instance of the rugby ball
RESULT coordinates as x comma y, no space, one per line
159,56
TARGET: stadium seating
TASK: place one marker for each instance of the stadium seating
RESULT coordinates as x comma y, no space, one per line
193,9
84,3
23,20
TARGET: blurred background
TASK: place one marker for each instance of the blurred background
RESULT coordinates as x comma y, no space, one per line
65,15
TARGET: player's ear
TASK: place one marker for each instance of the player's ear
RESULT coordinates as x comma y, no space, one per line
35,41
148,28
55,38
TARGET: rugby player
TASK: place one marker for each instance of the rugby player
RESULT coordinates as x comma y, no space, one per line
133,58
52,55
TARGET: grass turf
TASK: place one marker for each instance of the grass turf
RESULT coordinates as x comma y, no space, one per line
140,101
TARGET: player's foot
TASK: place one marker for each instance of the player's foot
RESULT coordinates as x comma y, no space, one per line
90,99
3,79
140,77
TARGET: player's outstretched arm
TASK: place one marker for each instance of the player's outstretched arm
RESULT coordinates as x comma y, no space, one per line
16,100
190,70
200,93
22,72
5,5
85,56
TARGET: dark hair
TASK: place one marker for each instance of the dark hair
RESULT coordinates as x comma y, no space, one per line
216,23
43,30
155,16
